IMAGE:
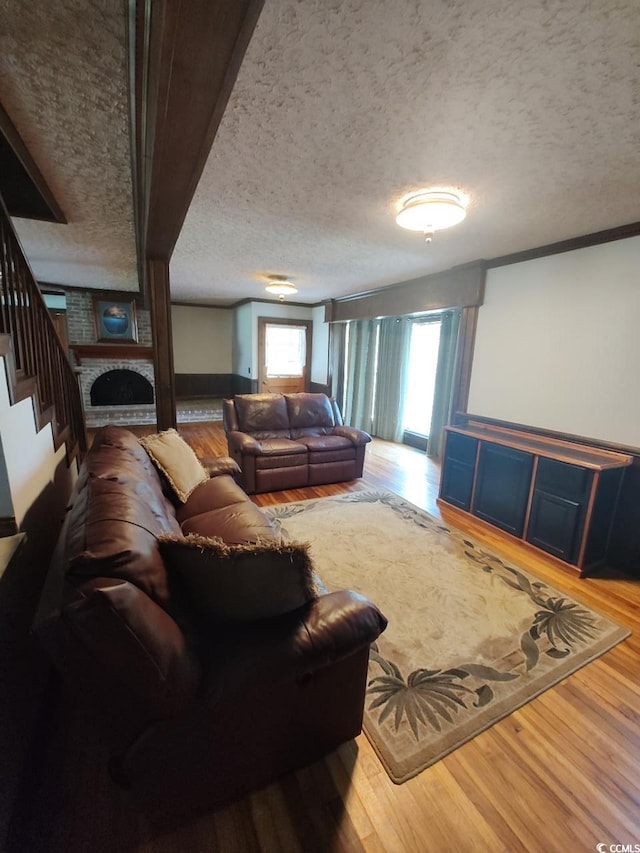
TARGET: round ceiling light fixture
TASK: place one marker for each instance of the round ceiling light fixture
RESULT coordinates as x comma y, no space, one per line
280,286
430,211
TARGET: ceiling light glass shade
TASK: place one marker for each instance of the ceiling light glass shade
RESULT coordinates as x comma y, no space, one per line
280,286
430,211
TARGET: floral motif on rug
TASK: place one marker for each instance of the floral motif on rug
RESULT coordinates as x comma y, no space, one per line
470,638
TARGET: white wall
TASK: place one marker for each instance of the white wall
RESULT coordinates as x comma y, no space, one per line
558,343
242,341
202,339
320,353
30,458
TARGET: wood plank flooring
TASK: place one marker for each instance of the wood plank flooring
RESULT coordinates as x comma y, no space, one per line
561,774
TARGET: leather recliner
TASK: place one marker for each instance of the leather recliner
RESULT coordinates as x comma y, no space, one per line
286,441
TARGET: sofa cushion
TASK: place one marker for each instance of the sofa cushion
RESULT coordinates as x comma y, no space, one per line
116,454
112,532
212,494
262,413
134,640
281,447
241,522
295,460
319,443
309,410
121,439
176,460
239,583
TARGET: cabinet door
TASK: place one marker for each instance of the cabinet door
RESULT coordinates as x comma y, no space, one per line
502,490
458,470
555,525
558,508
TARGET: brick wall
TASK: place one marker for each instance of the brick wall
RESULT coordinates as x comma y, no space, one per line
81,329
81,326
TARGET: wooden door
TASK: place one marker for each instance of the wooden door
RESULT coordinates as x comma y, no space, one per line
284,352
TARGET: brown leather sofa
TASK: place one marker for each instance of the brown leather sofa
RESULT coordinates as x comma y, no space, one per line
285,441
195,713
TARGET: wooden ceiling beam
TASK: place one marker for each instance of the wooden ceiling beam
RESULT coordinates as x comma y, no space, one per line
188,57
184,58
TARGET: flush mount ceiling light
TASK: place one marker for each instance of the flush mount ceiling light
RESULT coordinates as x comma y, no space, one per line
280,286
429,211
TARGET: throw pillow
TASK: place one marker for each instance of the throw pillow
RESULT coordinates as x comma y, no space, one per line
173,457
240,583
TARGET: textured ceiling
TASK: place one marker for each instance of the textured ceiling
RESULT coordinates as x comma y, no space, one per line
342,106
531,108
63,73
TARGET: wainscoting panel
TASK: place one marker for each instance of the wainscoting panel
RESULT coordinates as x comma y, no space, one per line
190,386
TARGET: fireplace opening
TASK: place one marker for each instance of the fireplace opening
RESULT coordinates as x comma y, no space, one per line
121,388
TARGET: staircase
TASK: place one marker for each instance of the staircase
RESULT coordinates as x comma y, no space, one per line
35,361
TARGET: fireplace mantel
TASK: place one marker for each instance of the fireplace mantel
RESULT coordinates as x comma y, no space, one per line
118,351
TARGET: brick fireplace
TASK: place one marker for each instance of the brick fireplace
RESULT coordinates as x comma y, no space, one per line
98,361
124,406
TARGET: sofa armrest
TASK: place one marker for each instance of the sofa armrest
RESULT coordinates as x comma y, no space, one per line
324,631
242,442
358,436
133,645
337,625
215,466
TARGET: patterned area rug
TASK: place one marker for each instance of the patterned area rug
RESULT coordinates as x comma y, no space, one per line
470,639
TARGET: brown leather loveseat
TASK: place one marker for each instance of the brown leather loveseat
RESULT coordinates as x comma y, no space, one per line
285,441
196,711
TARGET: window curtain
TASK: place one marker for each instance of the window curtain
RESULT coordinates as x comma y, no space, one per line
391,377
445,373
361,371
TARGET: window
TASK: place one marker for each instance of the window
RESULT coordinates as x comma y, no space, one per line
421,380
285,350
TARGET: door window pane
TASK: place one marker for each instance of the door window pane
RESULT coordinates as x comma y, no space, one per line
285,350
423,361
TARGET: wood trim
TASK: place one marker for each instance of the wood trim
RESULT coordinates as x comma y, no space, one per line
466,344
462,418
22,154
262,300
532,488
138,33
110,351
181,304
583,242
587,520
195,51
231,306
563,451
160,306
284,321
192,386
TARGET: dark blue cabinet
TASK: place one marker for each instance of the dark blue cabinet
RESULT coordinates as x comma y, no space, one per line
560,496
502,490
558,509
459,470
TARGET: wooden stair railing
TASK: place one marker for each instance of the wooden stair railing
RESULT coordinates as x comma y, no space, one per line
36,363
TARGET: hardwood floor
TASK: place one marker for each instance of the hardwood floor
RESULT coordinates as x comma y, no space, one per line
560,774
